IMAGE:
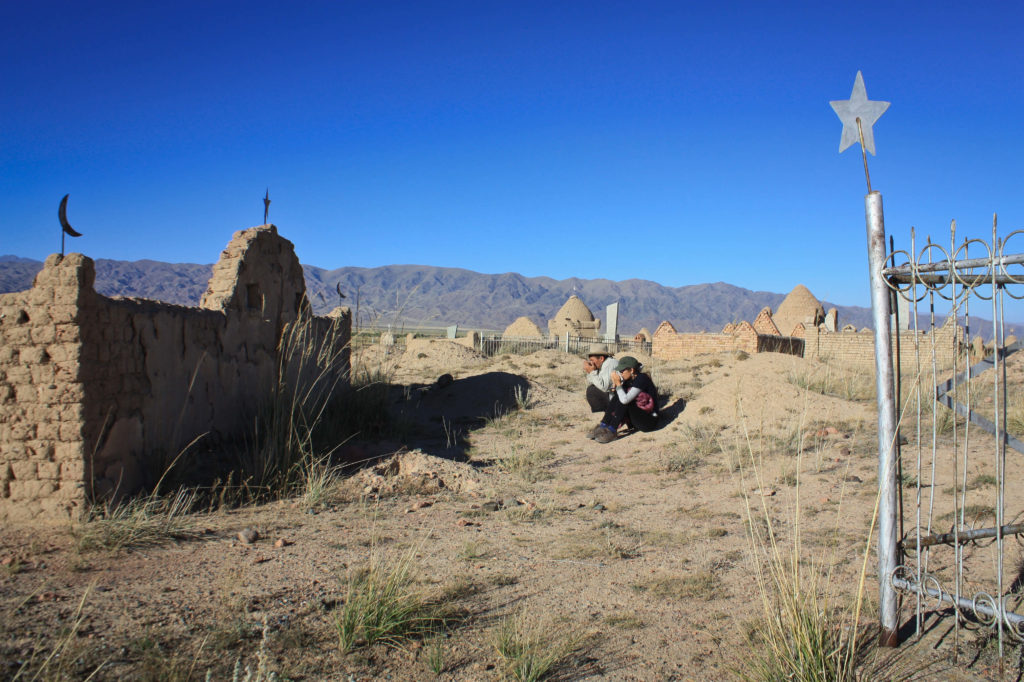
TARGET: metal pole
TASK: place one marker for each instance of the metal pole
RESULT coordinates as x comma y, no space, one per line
888,550
894,302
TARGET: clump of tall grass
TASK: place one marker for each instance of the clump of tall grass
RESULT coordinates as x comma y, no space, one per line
524,400
806,631
138,522
306,380
360,408
521,458
382,604
838,383
802,635
703,438
313,408
318,480
531,650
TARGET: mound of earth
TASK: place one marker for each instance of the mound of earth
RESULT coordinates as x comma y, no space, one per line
759,393
440,351
417,473
376,358
437,356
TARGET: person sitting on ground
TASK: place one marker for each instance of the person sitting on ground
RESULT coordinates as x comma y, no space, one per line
634,403
599,366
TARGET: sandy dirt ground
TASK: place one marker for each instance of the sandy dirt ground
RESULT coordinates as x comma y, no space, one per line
642,555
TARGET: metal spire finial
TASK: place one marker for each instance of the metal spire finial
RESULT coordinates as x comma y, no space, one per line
266,207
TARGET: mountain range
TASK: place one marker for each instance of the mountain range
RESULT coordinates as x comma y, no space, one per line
418,296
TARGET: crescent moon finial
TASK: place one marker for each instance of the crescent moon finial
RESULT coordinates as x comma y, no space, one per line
62,214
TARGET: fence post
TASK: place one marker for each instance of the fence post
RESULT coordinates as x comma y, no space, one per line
888,558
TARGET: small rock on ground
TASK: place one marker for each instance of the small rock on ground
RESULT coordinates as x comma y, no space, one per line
248,535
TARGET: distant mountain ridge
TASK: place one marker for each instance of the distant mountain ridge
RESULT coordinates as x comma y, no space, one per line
428,296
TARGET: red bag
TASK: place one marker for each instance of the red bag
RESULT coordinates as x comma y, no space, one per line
644,401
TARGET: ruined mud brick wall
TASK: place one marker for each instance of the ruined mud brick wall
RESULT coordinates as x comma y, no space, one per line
41,394
668,344
858,348
763,323
851,348
98,395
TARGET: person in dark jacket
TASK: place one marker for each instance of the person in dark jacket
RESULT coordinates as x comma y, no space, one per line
634,402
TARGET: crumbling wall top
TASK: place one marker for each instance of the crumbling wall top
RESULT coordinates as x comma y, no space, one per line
258,272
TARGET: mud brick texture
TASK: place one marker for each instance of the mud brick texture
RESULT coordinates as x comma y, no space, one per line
813,334
98,395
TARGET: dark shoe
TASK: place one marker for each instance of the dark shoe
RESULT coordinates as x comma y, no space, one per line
605,435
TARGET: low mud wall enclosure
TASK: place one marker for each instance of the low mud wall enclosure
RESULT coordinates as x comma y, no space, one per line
98,395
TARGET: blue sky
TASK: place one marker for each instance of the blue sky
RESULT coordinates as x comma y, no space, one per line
678,142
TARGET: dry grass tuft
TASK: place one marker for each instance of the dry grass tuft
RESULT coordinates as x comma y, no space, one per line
140,522
533,650
383,605
803,632
833,381
702,584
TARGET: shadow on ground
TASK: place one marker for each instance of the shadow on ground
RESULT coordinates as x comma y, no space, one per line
670,412
436,417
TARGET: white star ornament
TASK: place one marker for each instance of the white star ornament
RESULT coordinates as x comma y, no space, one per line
858,106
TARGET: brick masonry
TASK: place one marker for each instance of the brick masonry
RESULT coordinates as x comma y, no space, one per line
848,347
98,394
857,349
668,344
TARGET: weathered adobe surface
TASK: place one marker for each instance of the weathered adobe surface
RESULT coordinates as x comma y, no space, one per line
98,395
523,327
800,327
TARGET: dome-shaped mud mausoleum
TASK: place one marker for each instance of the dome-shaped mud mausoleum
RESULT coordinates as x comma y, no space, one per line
575,318
523,328
799,307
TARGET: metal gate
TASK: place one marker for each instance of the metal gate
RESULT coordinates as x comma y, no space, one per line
951,484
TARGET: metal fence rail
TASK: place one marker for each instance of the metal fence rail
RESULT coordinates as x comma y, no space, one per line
497,344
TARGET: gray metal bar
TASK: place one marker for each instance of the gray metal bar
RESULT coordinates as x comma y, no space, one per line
943,266
1016,620
965,536
969,280
998,407
942,390
888,544
984,423
977,368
